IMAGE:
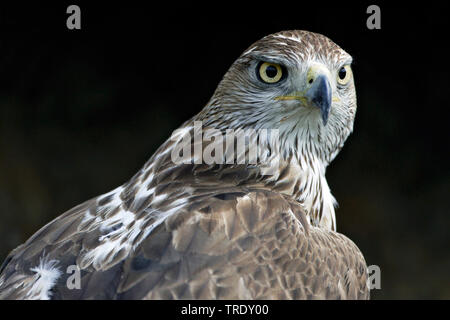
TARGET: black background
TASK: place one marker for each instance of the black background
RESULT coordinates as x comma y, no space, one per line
82,110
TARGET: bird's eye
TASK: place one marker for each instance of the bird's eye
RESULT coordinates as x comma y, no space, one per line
344,75
269,72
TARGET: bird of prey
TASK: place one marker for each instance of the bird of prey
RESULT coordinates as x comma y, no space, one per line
226,227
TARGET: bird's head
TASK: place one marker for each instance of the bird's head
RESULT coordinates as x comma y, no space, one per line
298,82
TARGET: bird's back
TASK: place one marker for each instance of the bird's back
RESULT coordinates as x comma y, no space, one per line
235,244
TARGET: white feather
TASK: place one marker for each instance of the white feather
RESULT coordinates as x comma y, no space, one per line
44,279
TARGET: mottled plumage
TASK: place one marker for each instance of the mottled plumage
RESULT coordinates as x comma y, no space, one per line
222,230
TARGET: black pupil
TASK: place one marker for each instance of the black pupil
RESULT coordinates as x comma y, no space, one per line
342,73
271,71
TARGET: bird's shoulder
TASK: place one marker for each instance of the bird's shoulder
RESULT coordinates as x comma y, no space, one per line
255,244
235,243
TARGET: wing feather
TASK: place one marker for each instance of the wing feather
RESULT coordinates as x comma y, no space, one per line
228,245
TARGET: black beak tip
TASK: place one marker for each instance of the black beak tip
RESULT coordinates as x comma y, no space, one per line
324,118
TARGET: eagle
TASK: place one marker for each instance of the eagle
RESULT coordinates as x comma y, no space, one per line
214,216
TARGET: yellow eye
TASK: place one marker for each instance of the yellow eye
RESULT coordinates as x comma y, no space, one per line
270,72
344,75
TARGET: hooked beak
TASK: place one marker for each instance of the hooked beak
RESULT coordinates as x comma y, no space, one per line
320,95
317,93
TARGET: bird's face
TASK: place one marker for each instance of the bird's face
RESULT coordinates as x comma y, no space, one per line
296,81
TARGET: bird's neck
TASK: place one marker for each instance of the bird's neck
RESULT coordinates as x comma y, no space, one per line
203,162
304,180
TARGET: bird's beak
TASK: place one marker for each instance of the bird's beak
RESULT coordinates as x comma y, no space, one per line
317,93
320,95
